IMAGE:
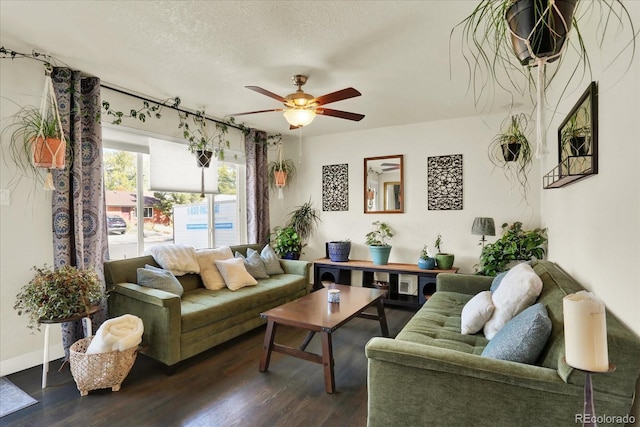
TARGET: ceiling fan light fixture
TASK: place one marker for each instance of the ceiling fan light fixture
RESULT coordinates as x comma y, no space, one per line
299,116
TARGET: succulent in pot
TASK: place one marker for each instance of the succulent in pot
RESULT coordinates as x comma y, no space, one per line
426,261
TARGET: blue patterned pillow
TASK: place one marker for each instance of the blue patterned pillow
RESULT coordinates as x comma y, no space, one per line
522,338
158,278
497,280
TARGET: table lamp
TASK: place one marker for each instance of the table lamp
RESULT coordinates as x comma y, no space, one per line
483,227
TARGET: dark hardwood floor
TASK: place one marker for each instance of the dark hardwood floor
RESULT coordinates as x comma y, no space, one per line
221,387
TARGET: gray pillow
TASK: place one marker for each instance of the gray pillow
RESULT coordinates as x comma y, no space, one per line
523,338
253,264
158,278
271,261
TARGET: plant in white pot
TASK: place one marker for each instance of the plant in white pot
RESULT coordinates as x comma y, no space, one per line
377,239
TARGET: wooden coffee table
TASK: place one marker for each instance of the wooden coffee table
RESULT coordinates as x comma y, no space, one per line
314,313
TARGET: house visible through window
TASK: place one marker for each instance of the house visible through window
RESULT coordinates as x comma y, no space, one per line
167,217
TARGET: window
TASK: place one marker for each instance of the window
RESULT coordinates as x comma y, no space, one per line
167,217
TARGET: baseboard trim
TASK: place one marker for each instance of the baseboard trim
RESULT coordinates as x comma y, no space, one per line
29,360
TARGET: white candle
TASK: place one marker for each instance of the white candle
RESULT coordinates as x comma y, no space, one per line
585,332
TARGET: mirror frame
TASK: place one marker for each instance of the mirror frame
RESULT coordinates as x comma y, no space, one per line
400,158
567,156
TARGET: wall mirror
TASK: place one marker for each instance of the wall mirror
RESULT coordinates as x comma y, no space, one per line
578,136
383,184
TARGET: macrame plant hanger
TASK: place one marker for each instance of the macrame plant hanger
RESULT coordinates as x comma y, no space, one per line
281,174
541,62
47,152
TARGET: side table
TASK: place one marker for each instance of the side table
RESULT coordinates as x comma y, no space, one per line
86,320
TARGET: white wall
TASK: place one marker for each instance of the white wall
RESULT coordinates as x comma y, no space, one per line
486,191
25,228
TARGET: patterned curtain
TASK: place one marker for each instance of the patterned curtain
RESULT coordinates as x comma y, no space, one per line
257,187
78,208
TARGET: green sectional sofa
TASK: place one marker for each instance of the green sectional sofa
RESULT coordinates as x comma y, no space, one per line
432,375
177,328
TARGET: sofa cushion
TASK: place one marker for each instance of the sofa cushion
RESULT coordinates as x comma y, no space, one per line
235,274
254,264
158,278
438,322
211,277
476,312
518,290
522,338
179,259
202,306
271,262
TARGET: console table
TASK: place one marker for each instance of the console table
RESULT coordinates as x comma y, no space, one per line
340,272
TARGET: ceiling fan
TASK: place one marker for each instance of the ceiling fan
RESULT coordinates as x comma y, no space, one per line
300,108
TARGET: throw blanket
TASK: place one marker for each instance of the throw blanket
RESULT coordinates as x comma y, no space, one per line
117,334
178,259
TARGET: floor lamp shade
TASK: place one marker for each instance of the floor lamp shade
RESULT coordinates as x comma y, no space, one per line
483,227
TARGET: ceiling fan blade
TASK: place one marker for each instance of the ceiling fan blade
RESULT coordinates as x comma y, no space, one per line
266,92
336,96
256,112
340,114
292,127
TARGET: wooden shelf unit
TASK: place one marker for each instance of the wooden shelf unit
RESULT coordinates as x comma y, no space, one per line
340,272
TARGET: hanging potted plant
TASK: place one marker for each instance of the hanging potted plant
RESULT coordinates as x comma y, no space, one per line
537,32
281,171
58,294
510,150
37,139
377,240
201,142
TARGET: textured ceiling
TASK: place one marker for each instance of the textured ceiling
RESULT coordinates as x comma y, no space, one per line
396,53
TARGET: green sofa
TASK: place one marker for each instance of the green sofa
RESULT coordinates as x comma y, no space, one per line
432,375
177,328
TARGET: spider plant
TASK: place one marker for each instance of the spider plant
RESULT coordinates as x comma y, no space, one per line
510,150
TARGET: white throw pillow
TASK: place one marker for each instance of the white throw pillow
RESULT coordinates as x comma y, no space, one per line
235,274
209,272
178,259
518,290
476,312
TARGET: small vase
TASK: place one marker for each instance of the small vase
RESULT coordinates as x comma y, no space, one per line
339,251
380,254
445,261
427,264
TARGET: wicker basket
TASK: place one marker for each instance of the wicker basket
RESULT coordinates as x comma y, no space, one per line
100,370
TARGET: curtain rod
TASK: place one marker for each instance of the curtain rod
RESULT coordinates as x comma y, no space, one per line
164,104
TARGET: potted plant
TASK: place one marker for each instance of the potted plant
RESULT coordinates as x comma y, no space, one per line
444,261
280,171
339,250
304,219
510,150
426,261
58,294
515,245
36,141
286,243
377,241
517,36
576,133
201,142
